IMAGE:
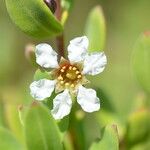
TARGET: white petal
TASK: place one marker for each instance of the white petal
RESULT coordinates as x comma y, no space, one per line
88,100
77,49
42,89
61,105
94,63
45,56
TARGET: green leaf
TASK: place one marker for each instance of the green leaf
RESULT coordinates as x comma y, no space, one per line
84,128
109,139
68,145
141,61
13,121
41,131
67,4
96,30
34,18
7,141
142,146
105,117
41,74
138,127
63,125
2,117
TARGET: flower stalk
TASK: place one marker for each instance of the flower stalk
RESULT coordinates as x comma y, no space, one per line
60,38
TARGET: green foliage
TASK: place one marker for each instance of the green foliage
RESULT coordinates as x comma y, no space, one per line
105,117
63,125
138,127
41,74
34,18
142,146
82,125
141,61
7,141
109,139
2,120
66,4
96,29
41,131
13,121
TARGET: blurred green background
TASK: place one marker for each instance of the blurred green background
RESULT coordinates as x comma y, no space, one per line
125,21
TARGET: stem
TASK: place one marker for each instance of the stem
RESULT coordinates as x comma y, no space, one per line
60,38
58,12
60,45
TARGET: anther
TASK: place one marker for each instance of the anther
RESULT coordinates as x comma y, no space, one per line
70,67
64,67
61,82
74,68
77,72
60,78
67,84
62,70
72,85
79,76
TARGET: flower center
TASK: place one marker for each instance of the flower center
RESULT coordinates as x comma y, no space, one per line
69,75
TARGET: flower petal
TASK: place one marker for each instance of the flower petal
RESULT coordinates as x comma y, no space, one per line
88,100
45,56
42,89
61,105
77,49
94,63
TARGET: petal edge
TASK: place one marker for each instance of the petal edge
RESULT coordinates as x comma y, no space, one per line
61,105
42,89
77,49
94,63
88,100
45,56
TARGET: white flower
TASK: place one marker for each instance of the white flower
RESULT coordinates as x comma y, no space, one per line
69,77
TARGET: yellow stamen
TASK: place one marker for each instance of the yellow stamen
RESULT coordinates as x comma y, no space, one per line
62,70
61,82
72,85
70,67
79,76
66,84
60,78
64,67
74,68
77,72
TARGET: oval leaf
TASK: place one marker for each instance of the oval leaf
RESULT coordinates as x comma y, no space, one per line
7,141
141,61
109,139
41,131
96,30
33,17
138,127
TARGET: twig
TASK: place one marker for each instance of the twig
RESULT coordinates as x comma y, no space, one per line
60,38
60,45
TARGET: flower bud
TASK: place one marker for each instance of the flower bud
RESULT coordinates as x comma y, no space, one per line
30,53
51,4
